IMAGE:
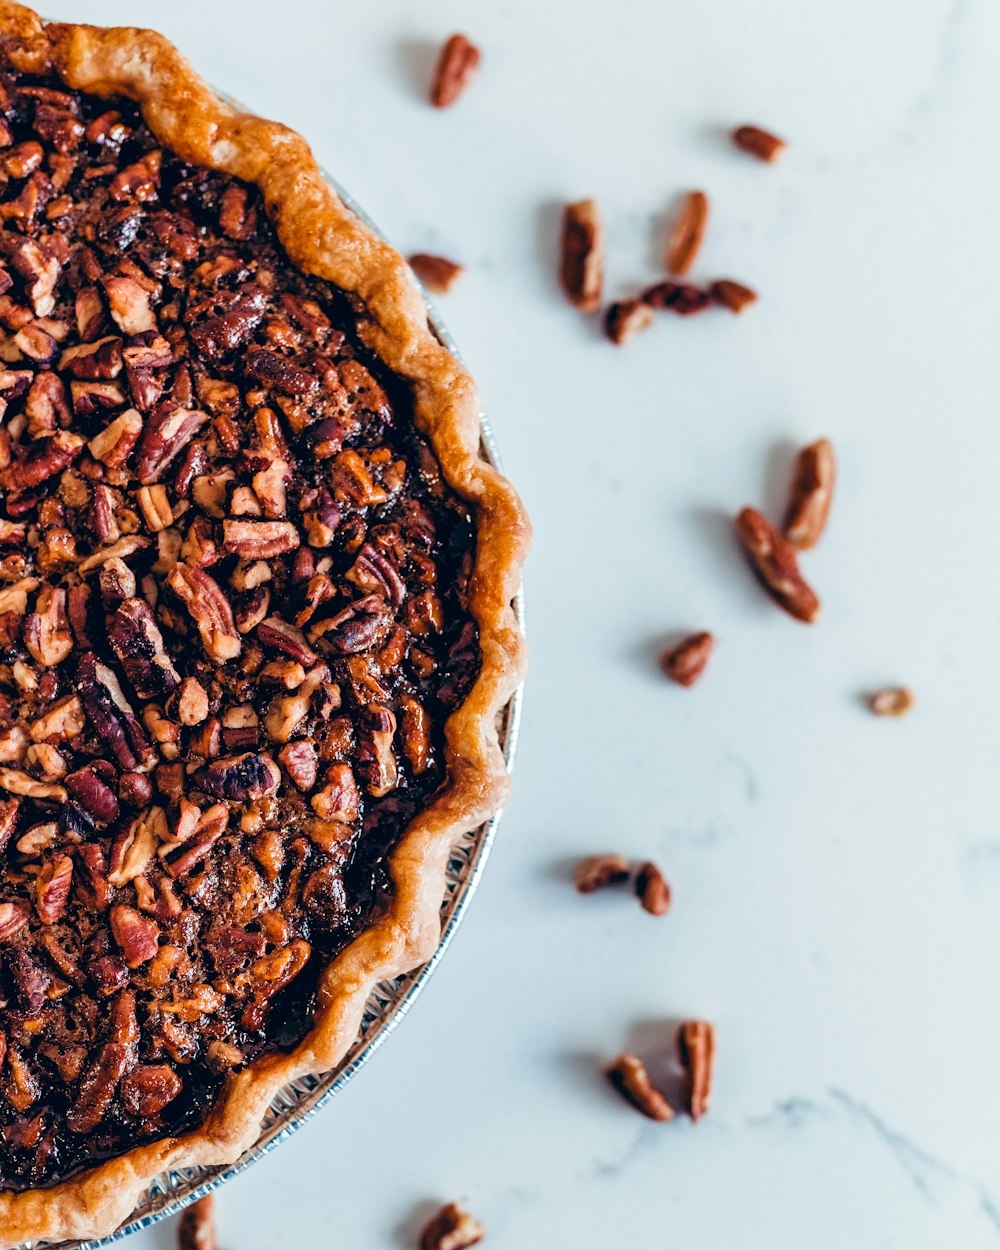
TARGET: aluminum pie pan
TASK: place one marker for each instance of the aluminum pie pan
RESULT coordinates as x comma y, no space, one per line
298,1101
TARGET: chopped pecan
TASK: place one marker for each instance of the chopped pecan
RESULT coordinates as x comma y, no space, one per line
339,800
240,777
22,160
685,662
299,759
135,847
40,270
98,361
9,811
456,65
45,458
39,838
189,702
774,561
375,755
732,295
626,318
129,305
65,720
259,540
139,181
416,734
437,273
111,715
138,643
277,373
13,918
811,494
147,1089
687,233
451,1229
52,886
893,701
596,872
759,143
629,1076
210,610
89,786
98,1087
119,550
651,889
361,625
269,975
154,503
46,631
36,343
278,634
374,571
167,433
46,405
582,255
696,1050
16,782
137,936
678,297
89,312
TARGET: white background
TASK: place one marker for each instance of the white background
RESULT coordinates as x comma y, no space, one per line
836,877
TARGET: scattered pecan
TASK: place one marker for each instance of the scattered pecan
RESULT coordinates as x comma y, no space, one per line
687,233
277,373
416,734
581,268
759,143
599,871
651,889
685,662
732,295
456,65
374,571
678,297
437,273
625,319
629,1076
893,701
811,494
773,559
696,1050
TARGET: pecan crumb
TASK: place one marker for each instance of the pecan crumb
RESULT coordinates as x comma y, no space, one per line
696,1050
582,255
652,890
598,871
759,143
629,1077
686,661
452,1229
811,494
625,319
774,561
456,65
732,295
196,1228
687,233
893,701
437,273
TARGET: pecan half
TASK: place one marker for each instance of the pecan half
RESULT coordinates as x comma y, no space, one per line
596,872
46,631
89,786
276,633
687,233
651,889
893,701
138,643
259,540
629,1076
299,759
209,609
111,715
374,571
696,1050
362,624
686,661
625,319
240,777
269,976
135,847
732,295
52,886
437,273
456,65
811,494
137,936
167,433
760,143
773,559
98,1087
581,268
452,1229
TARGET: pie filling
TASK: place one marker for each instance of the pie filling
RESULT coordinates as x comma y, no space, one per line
233,621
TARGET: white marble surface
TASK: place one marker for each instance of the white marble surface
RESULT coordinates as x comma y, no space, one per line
836,877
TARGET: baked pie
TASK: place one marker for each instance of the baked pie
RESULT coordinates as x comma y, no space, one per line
255,621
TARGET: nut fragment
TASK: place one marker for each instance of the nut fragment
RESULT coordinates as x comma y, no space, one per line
625,319
196,1228
582,255
893,701
811,494
686,661
456,65
732,295
759,143
596,872
437,273
773,559
210,610
452,1229
687,233
696,1050
652,890
629,1076
136,935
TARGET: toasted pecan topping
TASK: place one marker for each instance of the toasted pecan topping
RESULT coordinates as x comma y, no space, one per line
456,65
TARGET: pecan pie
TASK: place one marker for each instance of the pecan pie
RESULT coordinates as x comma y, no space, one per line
255,621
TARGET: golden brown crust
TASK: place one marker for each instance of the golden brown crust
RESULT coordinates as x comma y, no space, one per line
323,238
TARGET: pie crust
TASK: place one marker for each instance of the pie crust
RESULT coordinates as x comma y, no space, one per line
323,238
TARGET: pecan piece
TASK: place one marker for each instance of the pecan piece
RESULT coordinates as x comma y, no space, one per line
210,826
437,273
596,872
46,631
65,720
36,343
167,433
359,626
759,143
137,936
13,918
732,295
147,1089
696,1050
111,715
581,269
40,270
893,701
98,1087
277,373
133,849
16,782
686,661
416,734
373,571
456,65
687,233
209,609
240,777
375,756
89,786
452,1229
339,800
276,633
678,297
196,1229
138,643
139,181
259,540
269,975
625,319
299,759
629,1076
773,559
52,886
651,889
129,305
98,361
9,811
45,458
811,494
